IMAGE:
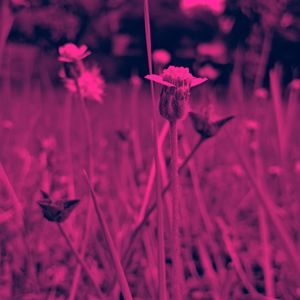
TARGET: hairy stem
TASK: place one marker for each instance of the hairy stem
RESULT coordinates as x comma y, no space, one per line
176,273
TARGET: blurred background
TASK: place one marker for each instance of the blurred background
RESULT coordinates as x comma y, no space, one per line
232,247
206,36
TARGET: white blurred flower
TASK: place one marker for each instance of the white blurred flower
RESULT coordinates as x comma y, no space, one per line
295,84
90,82
209,71
216,6
251,125
161,56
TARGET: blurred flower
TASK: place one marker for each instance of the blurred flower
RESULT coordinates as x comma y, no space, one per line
71,53
90,83
297,167
251,125
7,124
205,127
135,80
216,51
237,170
19,4
175,95
209,71
216,6
275,170
161,56
261,93
295,84
57,211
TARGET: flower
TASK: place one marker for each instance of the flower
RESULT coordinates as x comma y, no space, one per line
57,211
90,83
161,56
71,53
17,5
216,6
205,127
175,95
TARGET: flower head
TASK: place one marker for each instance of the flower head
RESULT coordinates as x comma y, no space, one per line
205,127
161,56
90,84
57,211
71,53
175,95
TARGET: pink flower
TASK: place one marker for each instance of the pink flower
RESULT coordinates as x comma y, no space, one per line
175,95
71,53
161,56
176,76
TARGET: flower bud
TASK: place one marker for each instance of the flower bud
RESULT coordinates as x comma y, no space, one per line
174,101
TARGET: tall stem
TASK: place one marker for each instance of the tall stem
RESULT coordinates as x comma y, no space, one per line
88,131
263,59
6,22
176,273
79,259
111,245
160,210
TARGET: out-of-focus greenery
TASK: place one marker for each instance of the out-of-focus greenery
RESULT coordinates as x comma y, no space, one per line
115,28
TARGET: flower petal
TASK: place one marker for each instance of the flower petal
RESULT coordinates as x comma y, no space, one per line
198,81
158,79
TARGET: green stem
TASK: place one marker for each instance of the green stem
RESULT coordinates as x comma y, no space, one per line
79,259
138,228
176,280
87,129
263,59
109,241
159,201
6,22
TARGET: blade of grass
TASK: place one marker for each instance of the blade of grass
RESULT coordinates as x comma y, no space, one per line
236,261
110,243
80,260
269,208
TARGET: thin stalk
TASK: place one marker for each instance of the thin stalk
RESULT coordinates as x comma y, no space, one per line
87,129
79,260
267,253
176,272
138,228
86,236
264,230
6,22
263,59
71,185
237,262
68,114
160,212
110,243
269,207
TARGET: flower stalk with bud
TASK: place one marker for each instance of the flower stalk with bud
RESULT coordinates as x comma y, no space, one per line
173,106
87,84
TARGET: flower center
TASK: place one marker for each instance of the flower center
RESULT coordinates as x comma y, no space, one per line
179,76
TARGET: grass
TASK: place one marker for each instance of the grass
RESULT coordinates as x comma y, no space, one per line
235,220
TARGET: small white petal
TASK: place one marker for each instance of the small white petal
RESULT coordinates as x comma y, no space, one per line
158,79
198,81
